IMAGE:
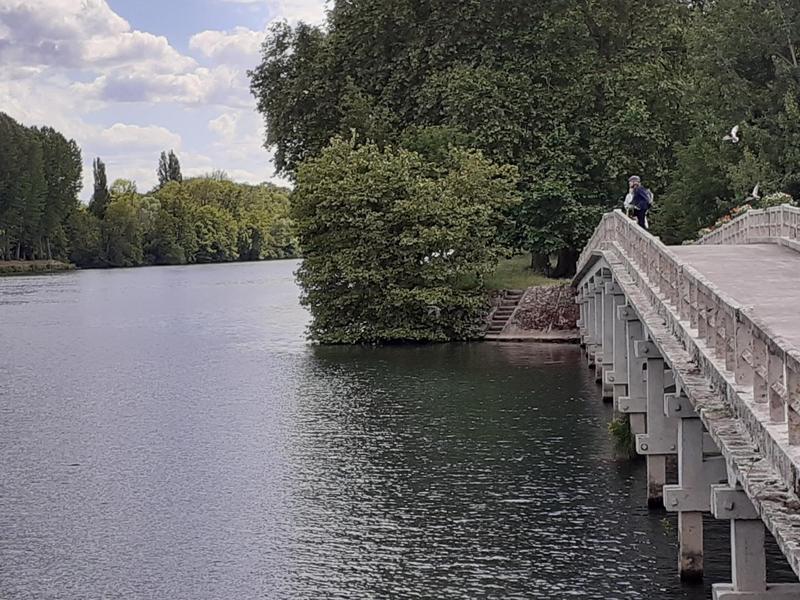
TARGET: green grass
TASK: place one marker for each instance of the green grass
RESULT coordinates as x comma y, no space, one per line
516,274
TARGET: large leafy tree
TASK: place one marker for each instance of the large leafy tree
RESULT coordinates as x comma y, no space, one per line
395,246
576,94
745,72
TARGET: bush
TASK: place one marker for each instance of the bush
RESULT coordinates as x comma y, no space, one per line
389,238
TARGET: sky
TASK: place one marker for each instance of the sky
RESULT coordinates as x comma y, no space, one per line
127,79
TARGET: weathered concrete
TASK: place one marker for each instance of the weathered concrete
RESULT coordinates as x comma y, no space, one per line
765,277
722,377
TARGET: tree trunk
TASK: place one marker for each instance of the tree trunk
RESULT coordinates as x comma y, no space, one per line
540,263
567,263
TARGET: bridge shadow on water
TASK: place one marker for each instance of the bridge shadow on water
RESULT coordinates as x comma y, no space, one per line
466,471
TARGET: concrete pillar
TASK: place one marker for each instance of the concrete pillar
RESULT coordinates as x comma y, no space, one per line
696,474
597,334
634,403
608,338
748,559
618,378
661,437
690,546
591,323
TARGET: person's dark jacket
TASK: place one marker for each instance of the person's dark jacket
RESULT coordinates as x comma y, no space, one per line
641,199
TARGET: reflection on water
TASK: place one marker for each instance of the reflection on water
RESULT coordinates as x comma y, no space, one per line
166,433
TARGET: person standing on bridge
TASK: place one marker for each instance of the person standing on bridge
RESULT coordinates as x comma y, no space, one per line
642,200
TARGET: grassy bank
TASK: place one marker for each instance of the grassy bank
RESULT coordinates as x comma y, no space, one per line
516,274
29,267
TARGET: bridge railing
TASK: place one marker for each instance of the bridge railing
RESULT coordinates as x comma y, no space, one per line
755,355
758,226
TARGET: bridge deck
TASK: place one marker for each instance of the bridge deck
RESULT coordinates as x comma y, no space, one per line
765,277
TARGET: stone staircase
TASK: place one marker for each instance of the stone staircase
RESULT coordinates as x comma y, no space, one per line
502,314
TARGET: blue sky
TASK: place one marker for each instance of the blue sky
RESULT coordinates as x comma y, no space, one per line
129,78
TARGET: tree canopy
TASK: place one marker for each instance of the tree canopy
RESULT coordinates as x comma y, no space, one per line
206,219
40,177
575,95
395,247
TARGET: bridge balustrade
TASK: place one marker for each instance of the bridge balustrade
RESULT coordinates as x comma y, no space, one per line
757,356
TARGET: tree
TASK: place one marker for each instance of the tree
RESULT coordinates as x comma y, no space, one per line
174,167
562,90
163,170
169,169
101,196
396,247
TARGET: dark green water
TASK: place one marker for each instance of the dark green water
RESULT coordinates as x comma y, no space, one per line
166,433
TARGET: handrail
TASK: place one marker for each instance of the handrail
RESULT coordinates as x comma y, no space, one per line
758,225
756,355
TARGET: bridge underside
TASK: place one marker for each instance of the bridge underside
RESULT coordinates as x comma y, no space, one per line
682,340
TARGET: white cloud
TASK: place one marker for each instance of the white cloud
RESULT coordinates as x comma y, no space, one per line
79,67
73,34
224,126
135,137
308,11
241,45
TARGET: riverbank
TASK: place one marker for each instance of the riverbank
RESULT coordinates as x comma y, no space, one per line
33,267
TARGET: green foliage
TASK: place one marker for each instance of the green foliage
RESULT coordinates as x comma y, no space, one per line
622,436
744,73
387,236
169,169
516,273
576,95
101,196
40,175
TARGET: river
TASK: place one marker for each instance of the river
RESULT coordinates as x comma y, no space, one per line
168,433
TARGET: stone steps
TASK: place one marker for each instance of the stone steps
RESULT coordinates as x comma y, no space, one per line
503,313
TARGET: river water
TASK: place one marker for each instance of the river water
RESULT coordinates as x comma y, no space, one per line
167,433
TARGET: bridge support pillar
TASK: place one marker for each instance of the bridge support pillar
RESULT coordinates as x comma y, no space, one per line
634,403
601,347
609,304
748,558
617,375
661,437
696,474
588,299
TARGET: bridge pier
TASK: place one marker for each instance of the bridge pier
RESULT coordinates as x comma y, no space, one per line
748,557
617,379
696,474
608,302
634,404
661,437
734,355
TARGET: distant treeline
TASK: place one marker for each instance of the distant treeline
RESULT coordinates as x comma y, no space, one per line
40,177
206,219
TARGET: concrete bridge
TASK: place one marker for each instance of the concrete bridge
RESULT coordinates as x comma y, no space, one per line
700,346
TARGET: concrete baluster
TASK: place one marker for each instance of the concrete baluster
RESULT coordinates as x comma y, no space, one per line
693,306
744,354
702,313
793,398
730,339
775,387
760,386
